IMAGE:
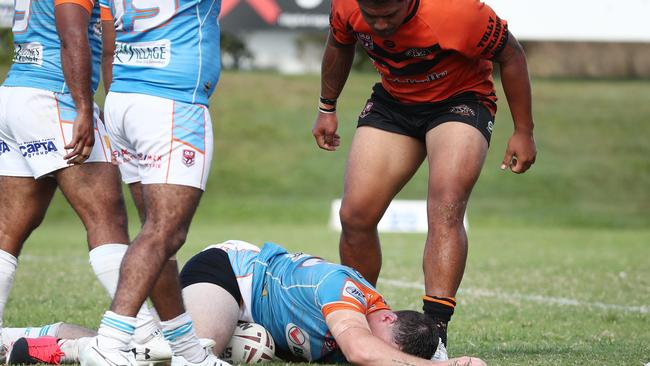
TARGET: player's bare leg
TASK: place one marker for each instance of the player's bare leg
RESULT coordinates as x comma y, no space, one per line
95,193
169,210
136,194
203,301
379,164
456,152
22,211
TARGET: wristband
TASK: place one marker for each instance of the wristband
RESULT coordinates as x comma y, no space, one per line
326,110
328,101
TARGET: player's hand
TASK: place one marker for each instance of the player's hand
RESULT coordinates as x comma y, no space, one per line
462,361
83,138
324,131
520,153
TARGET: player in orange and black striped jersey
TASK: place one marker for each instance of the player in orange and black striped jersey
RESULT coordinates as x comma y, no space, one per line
436,100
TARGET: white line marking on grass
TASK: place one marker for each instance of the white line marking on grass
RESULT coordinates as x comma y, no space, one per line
531,298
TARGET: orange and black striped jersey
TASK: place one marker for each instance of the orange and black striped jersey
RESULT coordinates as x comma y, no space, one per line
443,48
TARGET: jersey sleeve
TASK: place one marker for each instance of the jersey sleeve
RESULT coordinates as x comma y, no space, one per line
340,291
473,29
105,12
340,27
86,4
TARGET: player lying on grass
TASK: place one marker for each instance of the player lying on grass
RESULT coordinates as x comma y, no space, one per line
315,310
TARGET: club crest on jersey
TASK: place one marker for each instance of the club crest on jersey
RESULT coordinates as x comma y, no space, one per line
463,110
298,341
189,157
34,148
350,289
366,40
3,147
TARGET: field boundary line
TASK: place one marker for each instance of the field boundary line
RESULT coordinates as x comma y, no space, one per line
524,297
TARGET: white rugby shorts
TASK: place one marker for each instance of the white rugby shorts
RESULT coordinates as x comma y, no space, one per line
35,125
159,141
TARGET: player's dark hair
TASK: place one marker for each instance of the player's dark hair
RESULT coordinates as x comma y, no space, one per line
415,334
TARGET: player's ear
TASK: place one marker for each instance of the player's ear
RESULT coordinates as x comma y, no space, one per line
389,317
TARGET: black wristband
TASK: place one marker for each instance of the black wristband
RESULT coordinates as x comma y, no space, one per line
328,101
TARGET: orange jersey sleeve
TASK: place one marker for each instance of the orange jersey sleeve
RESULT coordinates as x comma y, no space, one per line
356,297
340,27
105,14
471,28
86,4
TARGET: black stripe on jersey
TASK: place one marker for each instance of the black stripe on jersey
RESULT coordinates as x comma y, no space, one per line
407,54
415,68
413,12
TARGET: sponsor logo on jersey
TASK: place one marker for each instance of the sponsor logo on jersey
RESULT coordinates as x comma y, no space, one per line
143,54
418,52
366,110
366,40
3,147
28,53
189,157
35,148
463,110
312,262
428,78
298,341
350,289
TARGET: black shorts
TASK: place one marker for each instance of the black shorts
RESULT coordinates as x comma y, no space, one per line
386,113
211,266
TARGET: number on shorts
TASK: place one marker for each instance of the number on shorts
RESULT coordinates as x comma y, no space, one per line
143,15
23,10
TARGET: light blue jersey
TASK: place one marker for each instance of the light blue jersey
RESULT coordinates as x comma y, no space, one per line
293,293
166,48
37,57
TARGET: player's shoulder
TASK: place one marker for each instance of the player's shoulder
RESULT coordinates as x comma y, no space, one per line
434,12
345,8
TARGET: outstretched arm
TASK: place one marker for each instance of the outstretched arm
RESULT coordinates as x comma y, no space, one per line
72,21
360,347
521,151
335,68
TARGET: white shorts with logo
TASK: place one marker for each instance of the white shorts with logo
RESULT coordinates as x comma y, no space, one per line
159,141
35,125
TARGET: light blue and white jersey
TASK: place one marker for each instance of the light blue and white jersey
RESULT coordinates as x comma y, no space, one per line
166,48
293,293
37,56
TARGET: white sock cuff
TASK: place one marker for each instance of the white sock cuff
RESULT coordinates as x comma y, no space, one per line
7,259
125,324
104,256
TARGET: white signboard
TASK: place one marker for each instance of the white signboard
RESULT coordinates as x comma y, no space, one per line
6,13
576,20
402,216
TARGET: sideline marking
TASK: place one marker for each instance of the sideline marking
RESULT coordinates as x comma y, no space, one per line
531,298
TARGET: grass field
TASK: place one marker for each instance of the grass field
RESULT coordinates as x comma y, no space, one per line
559,264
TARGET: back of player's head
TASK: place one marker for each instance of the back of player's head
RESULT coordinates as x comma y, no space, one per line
415,334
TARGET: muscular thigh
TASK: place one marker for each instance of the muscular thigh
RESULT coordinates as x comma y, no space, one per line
456,152
379,164
159,141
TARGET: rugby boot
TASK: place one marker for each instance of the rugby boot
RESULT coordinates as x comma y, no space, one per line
30,351
92,355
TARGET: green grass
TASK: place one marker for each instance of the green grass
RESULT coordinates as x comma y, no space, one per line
575,228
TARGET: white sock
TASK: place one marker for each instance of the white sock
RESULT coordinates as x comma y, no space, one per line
8,264
179,332
10,335
71,348
106,260
115,331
